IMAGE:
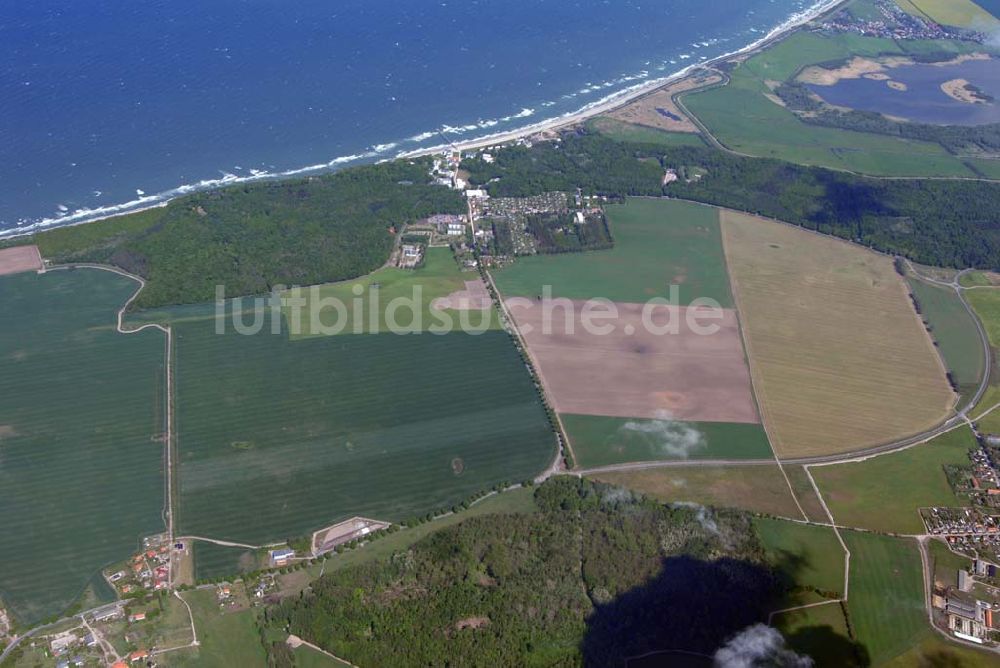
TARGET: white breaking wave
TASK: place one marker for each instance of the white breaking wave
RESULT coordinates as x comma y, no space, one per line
144,201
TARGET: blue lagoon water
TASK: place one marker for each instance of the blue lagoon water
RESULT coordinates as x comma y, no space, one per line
923,101
115,101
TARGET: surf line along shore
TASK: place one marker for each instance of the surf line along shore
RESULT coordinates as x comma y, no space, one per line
624,97
613,101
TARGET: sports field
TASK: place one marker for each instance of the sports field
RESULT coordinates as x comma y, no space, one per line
886,601
954,330
600,441
759,489
896,484
416,291
658,243
839,358
276,438
743,117
81,474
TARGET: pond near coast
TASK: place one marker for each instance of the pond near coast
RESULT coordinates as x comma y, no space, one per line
915,92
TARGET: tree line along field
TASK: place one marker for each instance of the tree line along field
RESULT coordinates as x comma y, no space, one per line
898,484
743,117
839,358
954,331
81,421
276,438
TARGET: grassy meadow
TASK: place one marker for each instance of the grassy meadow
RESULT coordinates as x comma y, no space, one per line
743,118
960,13
811,556
759,489
839,358
954,331
439,276
600,441
214,561
658,243
819,632
896,484
81,412
632,132
224,638
317,430
886,601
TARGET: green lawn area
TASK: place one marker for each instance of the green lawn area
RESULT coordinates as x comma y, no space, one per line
439,276
810,556
631,132
741,116
885,492
954,330
81,477
320,429
658,243
600,441
886,601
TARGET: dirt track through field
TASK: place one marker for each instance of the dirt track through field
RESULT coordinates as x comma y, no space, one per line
635,372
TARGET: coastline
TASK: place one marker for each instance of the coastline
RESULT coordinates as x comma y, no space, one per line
379,153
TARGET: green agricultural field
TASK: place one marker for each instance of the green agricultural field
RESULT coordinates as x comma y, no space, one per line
896,484
415,289
658,243
744,119
759,489
886,601
80,418
278,438
953,330
805,493
986,303
933,650
600,441
810,556
630,132
961,13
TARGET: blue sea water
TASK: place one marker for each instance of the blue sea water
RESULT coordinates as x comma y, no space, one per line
109,102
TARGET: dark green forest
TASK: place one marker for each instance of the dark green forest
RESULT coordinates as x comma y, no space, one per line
937,222
252,237
595,576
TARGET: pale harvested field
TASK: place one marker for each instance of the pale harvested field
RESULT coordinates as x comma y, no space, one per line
644,374
839,358
646,110
760,489
19,258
